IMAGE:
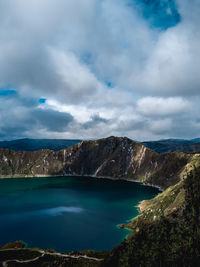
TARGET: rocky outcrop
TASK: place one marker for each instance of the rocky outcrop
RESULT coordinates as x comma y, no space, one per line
114,157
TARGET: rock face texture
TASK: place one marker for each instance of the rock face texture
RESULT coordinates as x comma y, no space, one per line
114,157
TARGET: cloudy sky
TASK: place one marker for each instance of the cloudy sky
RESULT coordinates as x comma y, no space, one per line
95,68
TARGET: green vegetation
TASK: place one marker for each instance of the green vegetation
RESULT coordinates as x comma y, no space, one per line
169,240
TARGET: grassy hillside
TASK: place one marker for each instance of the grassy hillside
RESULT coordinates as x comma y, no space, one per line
167,232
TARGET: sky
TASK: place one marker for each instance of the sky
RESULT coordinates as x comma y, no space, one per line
95,68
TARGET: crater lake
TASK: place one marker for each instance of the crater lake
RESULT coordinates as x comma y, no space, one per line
68,213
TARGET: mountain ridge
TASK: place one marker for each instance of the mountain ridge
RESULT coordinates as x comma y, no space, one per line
160,146
114,157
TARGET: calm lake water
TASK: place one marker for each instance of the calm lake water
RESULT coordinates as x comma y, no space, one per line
68,213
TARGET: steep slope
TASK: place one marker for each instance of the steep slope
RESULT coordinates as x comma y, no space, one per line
167,232
115,157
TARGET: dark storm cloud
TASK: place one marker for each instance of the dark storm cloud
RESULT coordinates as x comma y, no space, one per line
51,120
27,119
95,121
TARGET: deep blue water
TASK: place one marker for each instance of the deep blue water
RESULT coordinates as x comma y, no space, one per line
68,213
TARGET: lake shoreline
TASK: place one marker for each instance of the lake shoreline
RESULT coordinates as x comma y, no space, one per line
80,175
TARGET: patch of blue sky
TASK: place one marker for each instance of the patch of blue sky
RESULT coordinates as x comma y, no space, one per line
110,85
42,100
159,13
7,92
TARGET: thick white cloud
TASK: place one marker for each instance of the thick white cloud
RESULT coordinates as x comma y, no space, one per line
173,66
158,106
76,78
160,126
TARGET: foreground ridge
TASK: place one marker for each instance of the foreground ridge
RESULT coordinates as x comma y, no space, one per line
24,256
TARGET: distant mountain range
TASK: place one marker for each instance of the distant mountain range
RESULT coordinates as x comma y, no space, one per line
27,144
174,145
160,146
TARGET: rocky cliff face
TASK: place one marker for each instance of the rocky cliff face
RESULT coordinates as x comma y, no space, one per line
115,157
